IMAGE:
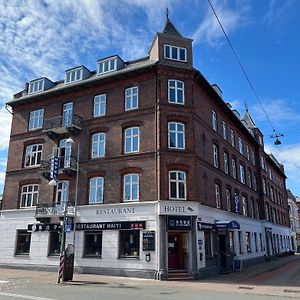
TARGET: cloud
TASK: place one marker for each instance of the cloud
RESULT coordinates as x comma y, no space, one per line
209,30
278,110
5,124
289,156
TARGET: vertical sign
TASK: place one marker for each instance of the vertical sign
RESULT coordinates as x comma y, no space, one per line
54,167
236,203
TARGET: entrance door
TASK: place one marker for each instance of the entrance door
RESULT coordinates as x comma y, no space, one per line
177,250
222,244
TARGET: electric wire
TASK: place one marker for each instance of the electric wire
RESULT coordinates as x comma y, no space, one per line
242,68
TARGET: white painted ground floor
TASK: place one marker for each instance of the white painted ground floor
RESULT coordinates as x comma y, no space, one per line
150,239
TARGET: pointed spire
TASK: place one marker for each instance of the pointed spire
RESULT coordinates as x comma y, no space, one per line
247,118
169,27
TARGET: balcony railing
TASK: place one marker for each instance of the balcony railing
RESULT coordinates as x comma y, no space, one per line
62,124
43,210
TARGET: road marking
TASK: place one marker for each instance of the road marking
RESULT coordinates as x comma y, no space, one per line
24,296
3,281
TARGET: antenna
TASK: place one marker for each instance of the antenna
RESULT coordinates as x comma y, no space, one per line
167,13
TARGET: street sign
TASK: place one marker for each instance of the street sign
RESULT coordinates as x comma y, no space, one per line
68,228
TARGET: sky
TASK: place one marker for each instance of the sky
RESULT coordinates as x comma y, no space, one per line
46,37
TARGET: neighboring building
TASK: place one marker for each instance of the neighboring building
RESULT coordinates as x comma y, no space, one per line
170,177
294,204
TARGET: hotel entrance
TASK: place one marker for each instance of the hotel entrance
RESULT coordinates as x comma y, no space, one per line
178,250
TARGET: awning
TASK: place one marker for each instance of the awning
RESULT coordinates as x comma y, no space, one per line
227,225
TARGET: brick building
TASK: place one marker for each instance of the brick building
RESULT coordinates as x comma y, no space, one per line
170,178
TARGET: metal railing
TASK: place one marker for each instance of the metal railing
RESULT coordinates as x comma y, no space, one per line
44,210
62,121
65,163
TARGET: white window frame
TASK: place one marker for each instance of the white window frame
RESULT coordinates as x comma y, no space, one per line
132,181
129,138
107,65
33,156
216,156
224,130
248,152
177,133
30,192
100,105
253,157
232,138
96,183
226,163
98,145
177,182
264,184
218,195
36,119
242,174
214,120
130,93
73,75
36,86
177,91
241,145
62,189
234,168
228,199
178,49
244,206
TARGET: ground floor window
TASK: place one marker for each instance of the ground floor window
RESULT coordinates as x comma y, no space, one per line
54,243
93,244
129,243
255,241
248,242
23,242
208,243
240,242
231,242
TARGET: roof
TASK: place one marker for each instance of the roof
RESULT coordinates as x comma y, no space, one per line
249,120
170,29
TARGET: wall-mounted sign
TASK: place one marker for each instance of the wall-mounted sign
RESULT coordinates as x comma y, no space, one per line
111,225
179,223
148,240
116,211
43,227
180,208
205,226
227,225
54,167
236,203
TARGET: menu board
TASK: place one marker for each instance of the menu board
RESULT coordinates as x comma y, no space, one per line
148,240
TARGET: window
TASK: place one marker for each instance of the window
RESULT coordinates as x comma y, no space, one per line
33,155
176,91
224,127
129,243
264,186
131,187
65,151
232,139
175,53
98,145
228,199
262,162
176,135
131,98
267,212
256,210
132,140
108,65
254,182
36,86
244,206
248,242
216,156
260,140
218,196
62,193
250,178
248,152
234,172
100,105
54,243
272,194
241,146
261,242
251,208
23,242
214,120
240,242
177,185
92,244
242,174
67,114
253,157
36,119
29,195
226,163
231,241
73,75
96,190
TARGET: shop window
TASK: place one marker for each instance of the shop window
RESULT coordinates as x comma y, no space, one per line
92,244
240,242
248,242
208,244
231,242
129,243
23,242
54,243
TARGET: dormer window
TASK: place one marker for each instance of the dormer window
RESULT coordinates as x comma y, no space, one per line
36,86
175,53
107,65
73,75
